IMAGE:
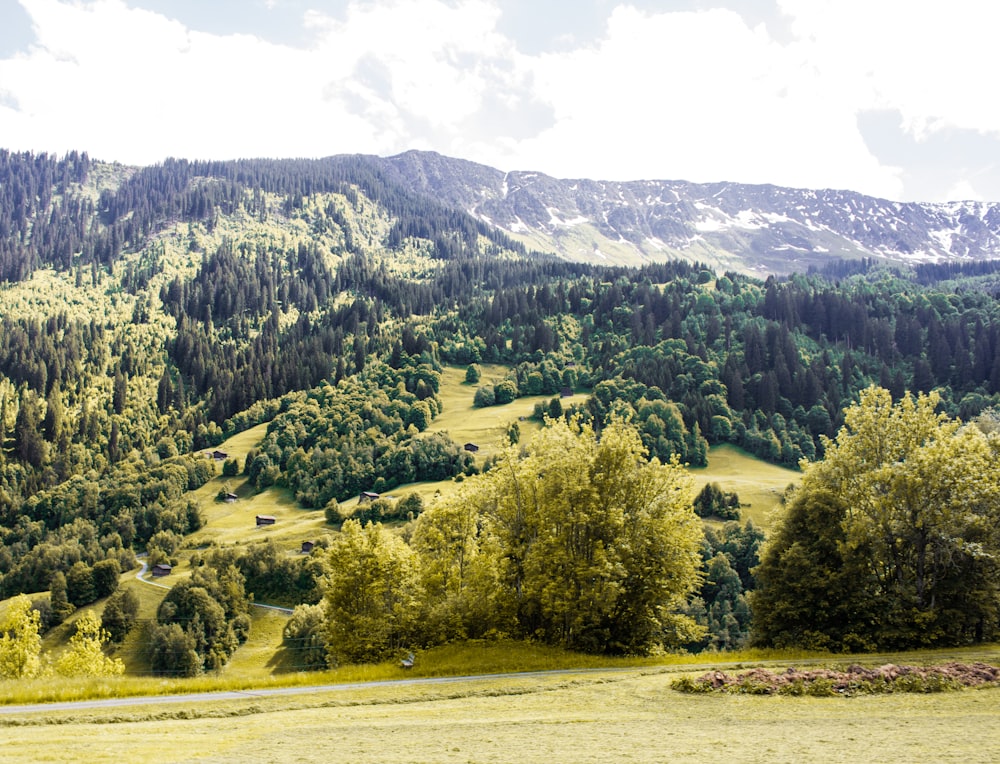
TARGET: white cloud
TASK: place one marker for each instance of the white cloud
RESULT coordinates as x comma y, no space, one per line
700,96
703,97
932,61
964,191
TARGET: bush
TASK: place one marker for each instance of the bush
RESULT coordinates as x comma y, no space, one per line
332,512
484,397
505,392
305,636
712,501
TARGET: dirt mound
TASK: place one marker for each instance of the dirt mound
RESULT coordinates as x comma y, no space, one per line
855,680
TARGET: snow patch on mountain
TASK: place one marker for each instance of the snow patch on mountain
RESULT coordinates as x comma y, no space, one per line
758,228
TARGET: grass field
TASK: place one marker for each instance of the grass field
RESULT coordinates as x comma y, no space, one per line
759,485
624,715
486,427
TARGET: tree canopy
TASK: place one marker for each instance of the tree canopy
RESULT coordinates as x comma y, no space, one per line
578,542
893,539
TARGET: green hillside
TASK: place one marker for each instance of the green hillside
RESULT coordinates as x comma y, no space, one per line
334,333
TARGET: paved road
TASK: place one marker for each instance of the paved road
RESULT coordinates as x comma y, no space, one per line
201,697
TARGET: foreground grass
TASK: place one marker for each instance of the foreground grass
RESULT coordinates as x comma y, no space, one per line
471,658
626,715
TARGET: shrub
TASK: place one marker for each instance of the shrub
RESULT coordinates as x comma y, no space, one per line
485,396
305,636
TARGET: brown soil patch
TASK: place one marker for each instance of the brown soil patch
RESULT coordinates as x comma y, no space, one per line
855,680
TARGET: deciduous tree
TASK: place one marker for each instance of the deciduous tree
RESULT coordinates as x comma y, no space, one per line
85,655
20,643
590,545
912,506
372,593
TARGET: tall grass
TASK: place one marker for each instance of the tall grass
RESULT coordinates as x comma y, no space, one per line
265,669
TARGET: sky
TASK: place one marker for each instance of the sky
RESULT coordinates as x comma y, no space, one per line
892,98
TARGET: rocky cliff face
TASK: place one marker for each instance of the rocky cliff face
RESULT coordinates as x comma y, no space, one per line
758,229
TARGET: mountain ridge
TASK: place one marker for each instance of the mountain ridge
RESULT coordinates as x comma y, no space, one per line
758,229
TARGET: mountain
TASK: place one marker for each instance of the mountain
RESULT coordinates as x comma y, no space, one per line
757,229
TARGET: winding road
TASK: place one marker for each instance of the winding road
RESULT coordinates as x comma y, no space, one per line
145,569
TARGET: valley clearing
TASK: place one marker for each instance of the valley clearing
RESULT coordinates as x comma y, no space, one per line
622,715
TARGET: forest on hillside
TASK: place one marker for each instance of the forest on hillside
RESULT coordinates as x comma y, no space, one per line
197,299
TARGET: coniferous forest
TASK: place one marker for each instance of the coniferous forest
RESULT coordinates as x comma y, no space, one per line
151,313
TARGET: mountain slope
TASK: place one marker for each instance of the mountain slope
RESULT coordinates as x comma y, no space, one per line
755,229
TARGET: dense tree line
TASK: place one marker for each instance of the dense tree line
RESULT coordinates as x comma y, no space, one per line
35,226
86,522
363,434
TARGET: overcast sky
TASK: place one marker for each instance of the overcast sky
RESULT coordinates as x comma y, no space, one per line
894,98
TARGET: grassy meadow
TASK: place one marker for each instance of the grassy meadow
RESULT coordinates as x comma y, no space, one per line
623,714
759,485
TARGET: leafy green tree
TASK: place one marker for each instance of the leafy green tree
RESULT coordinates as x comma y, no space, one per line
20,642
514,433
912,506
61,607
106,574
305,635
85,655
120,613
212,607
505,392
332,512
172,651
473,374
80,584
810,591
580,543
458,568
29,444
203,619
555,408
713,501
409,507
372,594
